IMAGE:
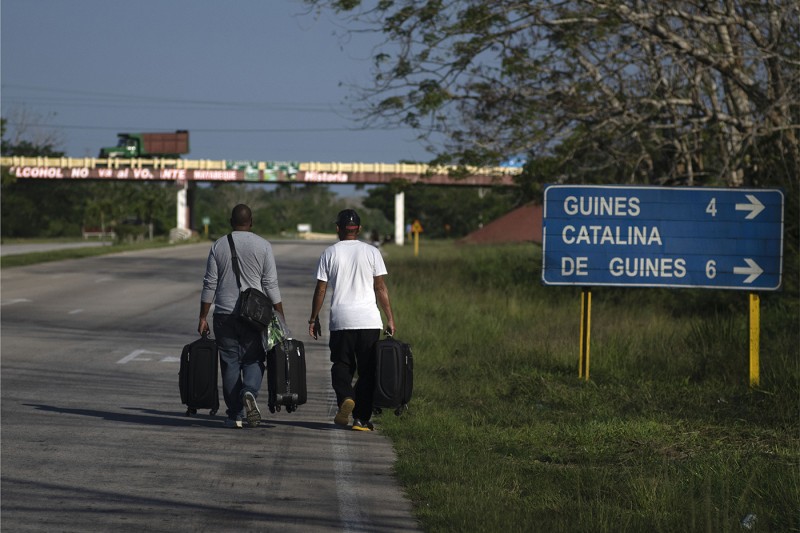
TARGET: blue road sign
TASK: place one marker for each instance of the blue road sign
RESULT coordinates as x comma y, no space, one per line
663,237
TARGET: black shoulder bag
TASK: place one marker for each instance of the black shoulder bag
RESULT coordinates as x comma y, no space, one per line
254,307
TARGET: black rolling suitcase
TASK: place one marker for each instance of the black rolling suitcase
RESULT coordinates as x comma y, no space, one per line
198,376
394,375
286,375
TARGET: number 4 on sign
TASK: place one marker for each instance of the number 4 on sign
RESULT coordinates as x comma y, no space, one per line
711,208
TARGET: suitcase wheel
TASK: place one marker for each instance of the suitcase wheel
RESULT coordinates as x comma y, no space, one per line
212,412
400,410
190,411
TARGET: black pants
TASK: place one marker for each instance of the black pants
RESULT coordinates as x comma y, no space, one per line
353,350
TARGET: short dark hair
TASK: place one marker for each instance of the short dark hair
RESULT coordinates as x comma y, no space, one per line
241,216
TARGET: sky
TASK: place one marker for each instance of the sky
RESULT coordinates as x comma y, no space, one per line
252,80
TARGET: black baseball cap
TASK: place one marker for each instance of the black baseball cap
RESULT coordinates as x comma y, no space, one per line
348,218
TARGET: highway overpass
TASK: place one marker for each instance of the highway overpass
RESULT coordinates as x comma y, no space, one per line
186,171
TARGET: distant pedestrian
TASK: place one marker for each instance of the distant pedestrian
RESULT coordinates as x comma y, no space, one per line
241,350
355,272
375,237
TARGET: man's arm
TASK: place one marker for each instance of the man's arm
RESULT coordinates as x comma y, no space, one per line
269,279
202,327
314,328
382,295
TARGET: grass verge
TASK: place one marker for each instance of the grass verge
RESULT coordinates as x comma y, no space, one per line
667,435
32,258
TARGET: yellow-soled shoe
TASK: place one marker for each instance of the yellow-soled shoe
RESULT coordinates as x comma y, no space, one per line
343,416
358,425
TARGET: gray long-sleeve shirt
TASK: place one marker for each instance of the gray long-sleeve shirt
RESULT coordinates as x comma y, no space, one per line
257,266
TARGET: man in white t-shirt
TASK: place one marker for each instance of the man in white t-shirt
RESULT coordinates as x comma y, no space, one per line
354,270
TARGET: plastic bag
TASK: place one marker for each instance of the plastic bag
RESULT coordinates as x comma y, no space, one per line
276,332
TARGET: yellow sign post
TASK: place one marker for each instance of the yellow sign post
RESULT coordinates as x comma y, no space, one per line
416,229
755,312
586,323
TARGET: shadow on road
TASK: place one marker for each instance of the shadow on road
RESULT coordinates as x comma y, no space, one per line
147,417
153,417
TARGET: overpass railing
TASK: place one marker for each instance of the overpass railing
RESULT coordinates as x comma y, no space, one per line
252,171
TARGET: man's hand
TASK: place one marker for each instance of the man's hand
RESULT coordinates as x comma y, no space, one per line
314,328
202,327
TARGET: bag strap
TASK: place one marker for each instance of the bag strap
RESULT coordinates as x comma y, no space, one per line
234,260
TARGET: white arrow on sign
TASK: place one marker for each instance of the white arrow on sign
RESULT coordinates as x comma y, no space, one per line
755,207
752,270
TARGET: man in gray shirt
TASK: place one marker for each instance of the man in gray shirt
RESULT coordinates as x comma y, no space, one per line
240,348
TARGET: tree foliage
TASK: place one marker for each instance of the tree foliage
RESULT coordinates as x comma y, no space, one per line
446,212
279,211
679,92
682,92
60,208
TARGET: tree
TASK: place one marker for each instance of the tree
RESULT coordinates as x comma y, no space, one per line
679,92
59,208
29,136
291,204
276,211
28,209
445,212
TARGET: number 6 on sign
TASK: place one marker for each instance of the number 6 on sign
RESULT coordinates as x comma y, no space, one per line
711,269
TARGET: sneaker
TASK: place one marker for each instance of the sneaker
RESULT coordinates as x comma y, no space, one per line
358,425
234,423
252,413
343,416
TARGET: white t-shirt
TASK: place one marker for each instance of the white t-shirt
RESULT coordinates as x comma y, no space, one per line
349,267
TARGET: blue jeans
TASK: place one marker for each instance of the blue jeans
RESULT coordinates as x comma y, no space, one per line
241,361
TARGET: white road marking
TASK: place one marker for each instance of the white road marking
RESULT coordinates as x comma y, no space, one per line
134,356
15,301
76,311
343,468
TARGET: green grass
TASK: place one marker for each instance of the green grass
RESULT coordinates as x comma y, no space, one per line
667,435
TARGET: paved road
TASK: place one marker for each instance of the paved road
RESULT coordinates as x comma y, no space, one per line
94,437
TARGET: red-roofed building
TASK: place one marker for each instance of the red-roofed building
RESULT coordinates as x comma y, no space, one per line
523,224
